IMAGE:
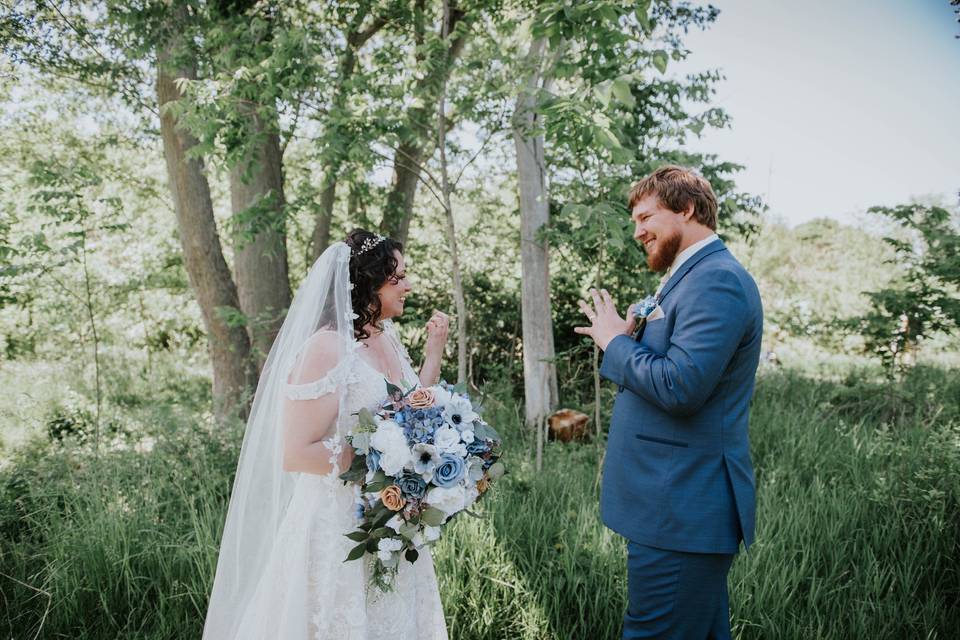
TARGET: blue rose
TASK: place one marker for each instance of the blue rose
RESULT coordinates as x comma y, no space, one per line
449,471
373,460
411,484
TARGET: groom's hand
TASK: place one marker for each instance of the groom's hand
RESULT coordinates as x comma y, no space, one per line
605,323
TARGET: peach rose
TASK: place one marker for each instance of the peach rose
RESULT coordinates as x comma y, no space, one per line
422,399
392,499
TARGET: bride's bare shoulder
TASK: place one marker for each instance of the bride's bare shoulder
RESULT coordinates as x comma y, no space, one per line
320,353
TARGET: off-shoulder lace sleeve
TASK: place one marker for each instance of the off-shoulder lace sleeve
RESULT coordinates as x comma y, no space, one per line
342,374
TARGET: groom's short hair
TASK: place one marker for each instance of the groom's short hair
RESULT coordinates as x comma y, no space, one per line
677,188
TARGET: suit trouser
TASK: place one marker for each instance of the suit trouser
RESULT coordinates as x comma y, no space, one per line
676,595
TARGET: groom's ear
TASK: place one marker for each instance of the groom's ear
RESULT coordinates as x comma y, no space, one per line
688,212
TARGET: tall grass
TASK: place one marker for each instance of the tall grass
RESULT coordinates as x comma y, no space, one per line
858,515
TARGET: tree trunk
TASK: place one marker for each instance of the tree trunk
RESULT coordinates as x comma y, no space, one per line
539,368
324,219
406,174
331,168
260,250
207,270
411,152
451,228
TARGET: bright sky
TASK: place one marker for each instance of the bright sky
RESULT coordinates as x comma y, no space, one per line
836,105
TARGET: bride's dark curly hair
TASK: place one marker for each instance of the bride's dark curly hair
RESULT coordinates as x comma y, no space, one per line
368,272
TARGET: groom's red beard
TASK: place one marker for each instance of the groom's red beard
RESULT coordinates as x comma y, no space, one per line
665,250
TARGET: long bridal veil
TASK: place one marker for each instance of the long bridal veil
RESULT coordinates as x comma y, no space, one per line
262,490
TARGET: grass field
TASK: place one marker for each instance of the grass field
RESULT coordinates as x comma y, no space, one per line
858,520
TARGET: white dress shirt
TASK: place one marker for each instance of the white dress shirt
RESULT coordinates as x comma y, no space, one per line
682,257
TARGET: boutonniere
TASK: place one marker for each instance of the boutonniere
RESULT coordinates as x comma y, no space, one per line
644,308
645,311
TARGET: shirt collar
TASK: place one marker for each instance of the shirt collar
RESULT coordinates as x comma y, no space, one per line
687,253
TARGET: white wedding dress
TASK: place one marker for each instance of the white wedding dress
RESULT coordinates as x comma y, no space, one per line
303,588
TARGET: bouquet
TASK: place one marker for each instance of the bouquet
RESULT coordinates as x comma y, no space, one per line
422,458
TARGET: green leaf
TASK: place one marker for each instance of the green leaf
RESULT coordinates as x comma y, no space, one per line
352,475
642,17
393,390
365,418
382,532
660,60
382,518
433,517
606,138
621,89
357,552
603,92
411,555
496,471
485,432
357,470
358,536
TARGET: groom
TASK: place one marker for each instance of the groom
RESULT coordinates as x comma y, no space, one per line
677,478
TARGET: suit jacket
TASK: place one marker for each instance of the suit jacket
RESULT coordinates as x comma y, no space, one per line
677,473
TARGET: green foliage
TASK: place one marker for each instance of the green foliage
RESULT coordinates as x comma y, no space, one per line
858,497
811,276
924,299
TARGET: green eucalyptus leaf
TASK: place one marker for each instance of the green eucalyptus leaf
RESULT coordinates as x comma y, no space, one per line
433,517
365,419
357,552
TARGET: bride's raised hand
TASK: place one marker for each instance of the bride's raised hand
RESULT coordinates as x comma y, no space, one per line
438,328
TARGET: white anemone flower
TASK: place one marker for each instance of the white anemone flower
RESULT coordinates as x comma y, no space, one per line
426,457
459,413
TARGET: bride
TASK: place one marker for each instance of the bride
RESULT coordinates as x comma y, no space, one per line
281,571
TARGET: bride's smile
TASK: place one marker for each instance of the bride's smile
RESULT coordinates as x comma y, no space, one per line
393,293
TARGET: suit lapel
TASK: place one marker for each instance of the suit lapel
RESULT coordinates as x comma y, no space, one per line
713,247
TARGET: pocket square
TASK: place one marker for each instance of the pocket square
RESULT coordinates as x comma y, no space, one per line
643,320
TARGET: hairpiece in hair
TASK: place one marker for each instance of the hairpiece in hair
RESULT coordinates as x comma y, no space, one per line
369,243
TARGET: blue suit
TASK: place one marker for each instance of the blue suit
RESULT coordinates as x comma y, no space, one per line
677,474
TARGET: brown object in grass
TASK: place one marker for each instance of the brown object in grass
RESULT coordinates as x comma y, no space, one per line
567,425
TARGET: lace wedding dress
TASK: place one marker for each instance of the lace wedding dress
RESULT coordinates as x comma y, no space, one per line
298,586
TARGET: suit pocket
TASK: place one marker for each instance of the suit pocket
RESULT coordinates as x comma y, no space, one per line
672,443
